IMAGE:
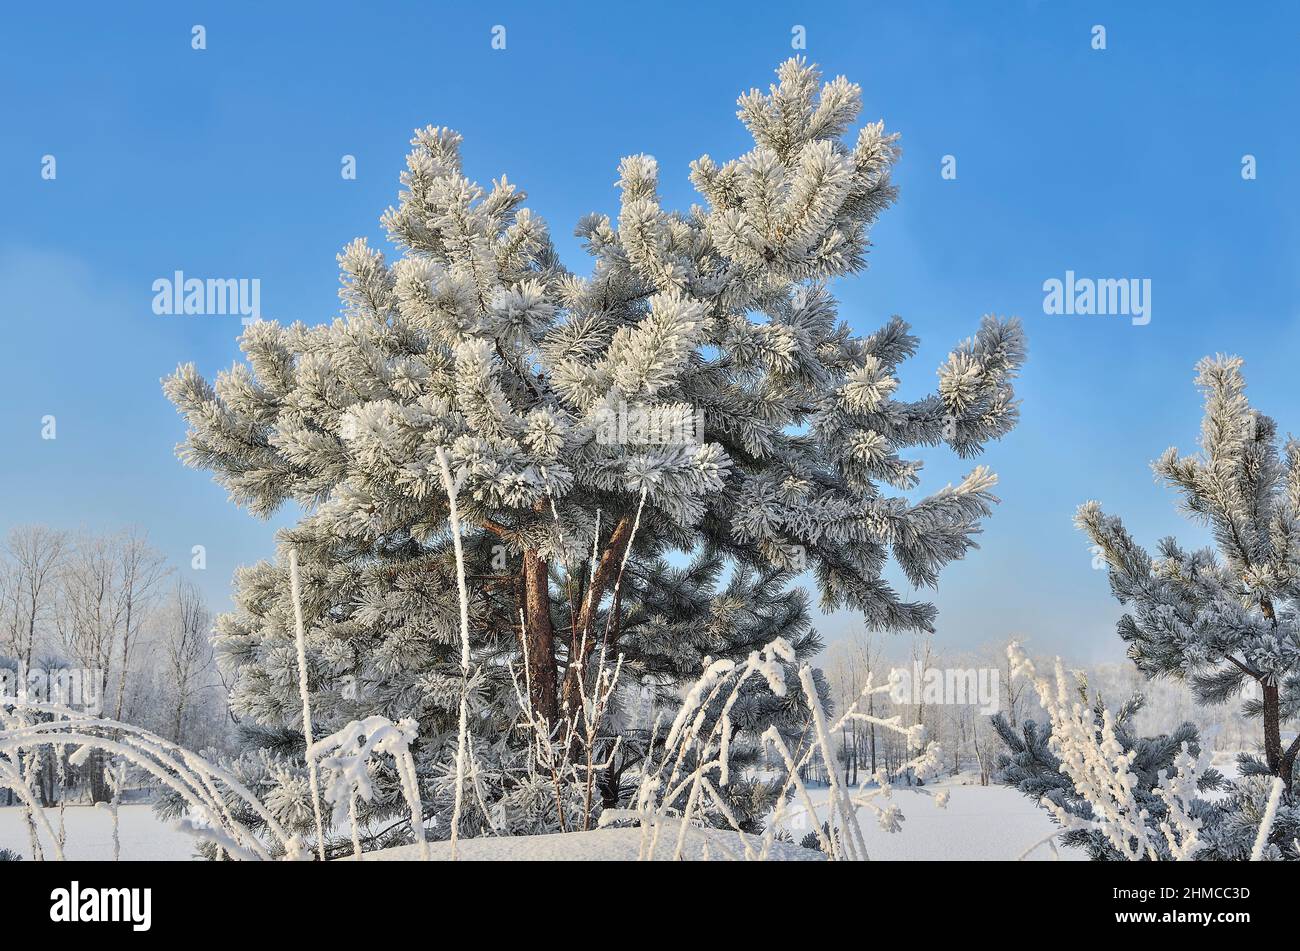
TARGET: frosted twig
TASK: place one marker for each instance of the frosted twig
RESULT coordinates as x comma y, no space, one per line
452,490
1266,822
186,773
352,747
312,779
1092,756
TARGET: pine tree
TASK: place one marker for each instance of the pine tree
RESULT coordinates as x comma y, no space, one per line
694,395
1222,620
1121,796
1029,764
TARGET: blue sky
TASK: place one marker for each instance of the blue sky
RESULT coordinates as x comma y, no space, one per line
225,162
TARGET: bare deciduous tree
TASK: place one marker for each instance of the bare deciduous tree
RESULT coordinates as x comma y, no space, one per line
89,613
140,569
29,574
186,649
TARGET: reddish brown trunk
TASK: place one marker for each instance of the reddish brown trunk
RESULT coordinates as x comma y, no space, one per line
1278,764
584,636
1288,763
540,637
1273,730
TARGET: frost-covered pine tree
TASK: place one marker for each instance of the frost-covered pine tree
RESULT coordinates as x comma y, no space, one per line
1121,796
693,393
1031,765
1223,620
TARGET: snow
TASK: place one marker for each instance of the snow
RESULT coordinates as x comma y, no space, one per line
987,823
145,837
980,823
599,845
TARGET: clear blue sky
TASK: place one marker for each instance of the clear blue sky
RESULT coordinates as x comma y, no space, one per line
225,162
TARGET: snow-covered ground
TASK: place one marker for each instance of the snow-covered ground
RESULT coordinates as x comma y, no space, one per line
144,836
985,823
598,845
980,822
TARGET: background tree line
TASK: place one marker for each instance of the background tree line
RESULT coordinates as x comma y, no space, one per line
110,602
965,731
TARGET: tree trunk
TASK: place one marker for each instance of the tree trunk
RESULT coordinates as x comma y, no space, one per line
844,748
855,752
1288,763
176,724
539,647
121,679
98,763
1272,729
584,637
871,709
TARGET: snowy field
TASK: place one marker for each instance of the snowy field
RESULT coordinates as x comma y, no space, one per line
90,834
979,823
598,845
